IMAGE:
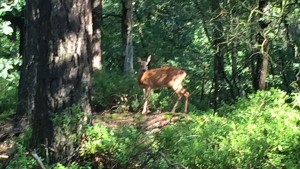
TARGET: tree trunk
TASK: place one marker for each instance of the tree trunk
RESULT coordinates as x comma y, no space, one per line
59,44
265,63
97,22
256,62
127,46
234,67
27,83
219,52
259,79
288,59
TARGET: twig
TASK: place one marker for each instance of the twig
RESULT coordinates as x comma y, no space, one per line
38,159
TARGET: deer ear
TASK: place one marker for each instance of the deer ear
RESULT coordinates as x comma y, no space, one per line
148,59
139,59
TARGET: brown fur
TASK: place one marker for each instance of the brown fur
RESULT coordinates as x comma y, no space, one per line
171,77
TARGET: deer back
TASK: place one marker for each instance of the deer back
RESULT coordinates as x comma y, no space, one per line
162,77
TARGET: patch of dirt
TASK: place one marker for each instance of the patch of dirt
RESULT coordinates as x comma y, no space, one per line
8,132
6,141
149,122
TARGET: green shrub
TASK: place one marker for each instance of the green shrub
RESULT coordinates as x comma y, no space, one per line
260,132
9,80
22,159
114,89
123,145
71,166
98,139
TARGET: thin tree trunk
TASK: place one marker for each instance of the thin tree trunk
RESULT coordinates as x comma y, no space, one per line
235,68
288,59
127,46
262,67
218,56
265,63
97,22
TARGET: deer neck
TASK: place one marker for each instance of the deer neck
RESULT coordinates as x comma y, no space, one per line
140,75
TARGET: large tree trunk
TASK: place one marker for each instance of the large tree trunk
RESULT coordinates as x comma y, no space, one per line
97,22
59,41
27,83
127,46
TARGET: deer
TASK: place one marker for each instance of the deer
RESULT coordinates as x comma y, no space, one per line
170,77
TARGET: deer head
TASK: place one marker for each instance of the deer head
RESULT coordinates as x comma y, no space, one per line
171,77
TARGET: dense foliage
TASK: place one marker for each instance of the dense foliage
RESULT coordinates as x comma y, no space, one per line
259,132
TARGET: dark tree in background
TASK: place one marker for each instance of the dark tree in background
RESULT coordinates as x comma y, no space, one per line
219,47
56,73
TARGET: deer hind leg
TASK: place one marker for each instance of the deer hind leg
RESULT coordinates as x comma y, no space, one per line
186,95
181,92
147,94
176,104
177,90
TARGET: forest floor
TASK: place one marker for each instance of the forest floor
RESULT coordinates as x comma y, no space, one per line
150,123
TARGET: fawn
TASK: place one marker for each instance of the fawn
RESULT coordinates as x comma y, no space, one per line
171,77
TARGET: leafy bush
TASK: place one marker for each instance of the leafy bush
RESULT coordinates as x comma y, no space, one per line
260,132
9,80
111,89
98,139
119,148
71,166
21,158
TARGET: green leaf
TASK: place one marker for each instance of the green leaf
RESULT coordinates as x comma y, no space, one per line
7,29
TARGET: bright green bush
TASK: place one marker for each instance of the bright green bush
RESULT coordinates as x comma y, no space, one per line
71,166
260,132
98,139
123,145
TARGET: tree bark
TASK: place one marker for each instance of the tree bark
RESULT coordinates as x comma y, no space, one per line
265,63
127,46
59,46
27,83
97,22
219,53
259,78
287,60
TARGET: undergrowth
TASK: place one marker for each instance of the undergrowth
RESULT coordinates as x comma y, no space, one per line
259,132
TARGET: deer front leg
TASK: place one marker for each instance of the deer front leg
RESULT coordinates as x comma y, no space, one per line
186,95
186,104
147,95
176,104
